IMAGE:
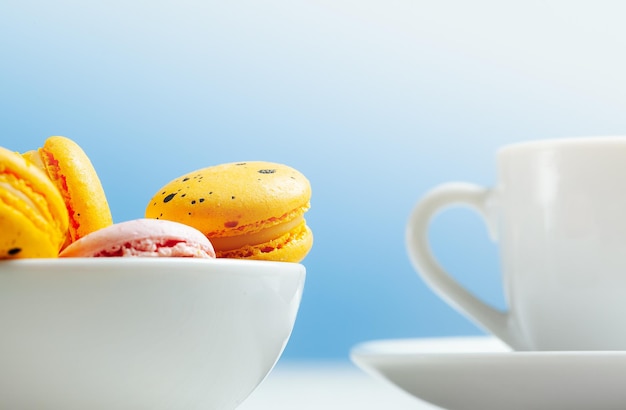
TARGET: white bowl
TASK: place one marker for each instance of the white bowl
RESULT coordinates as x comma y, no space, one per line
141,333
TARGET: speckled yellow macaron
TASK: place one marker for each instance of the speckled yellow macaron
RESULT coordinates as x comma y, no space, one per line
249,210
71,170
33,217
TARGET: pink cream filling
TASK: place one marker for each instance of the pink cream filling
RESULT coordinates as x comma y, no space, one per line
148,247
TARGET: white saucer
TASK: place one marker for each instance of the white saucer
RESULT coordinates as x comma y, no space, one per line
482,373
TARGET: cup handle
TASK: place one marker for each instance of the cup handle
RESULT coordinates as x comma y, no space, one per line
418,246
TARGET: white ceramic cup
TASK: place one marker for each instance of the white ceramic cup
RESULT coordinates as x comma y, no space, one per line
558,214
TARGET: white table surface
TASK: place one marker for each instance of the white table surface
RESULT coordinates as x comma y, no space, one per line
328,386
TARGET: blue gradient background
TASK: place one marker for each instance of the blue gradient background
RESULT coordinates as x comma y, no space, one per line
375,101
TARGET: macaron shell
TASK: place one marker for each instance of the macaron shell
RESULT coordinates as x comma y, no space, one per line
71,170
33,216
24,238
233,198
291,247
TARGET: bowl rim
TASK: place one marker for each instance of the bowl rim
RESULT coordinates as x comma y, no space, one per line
139,264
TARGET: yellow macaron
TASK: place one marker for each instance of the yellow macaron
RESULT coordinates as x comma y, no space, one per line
69,168
249,210
33,216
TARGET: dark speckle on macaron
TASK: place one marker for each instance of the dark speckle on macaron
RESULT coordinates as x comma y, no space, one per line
266,171
14,251
186,179
231,224
169,197
193,202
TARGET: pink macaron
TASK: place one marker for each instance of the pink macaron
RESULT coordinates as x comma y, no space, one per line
143,237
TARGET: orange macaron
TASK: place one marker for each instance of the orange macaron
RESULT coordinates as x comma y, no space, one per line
249,210
71,170
33,216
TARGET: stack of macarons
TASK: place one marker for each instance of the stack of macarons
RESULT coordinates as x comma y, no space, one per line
49,197
52,204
